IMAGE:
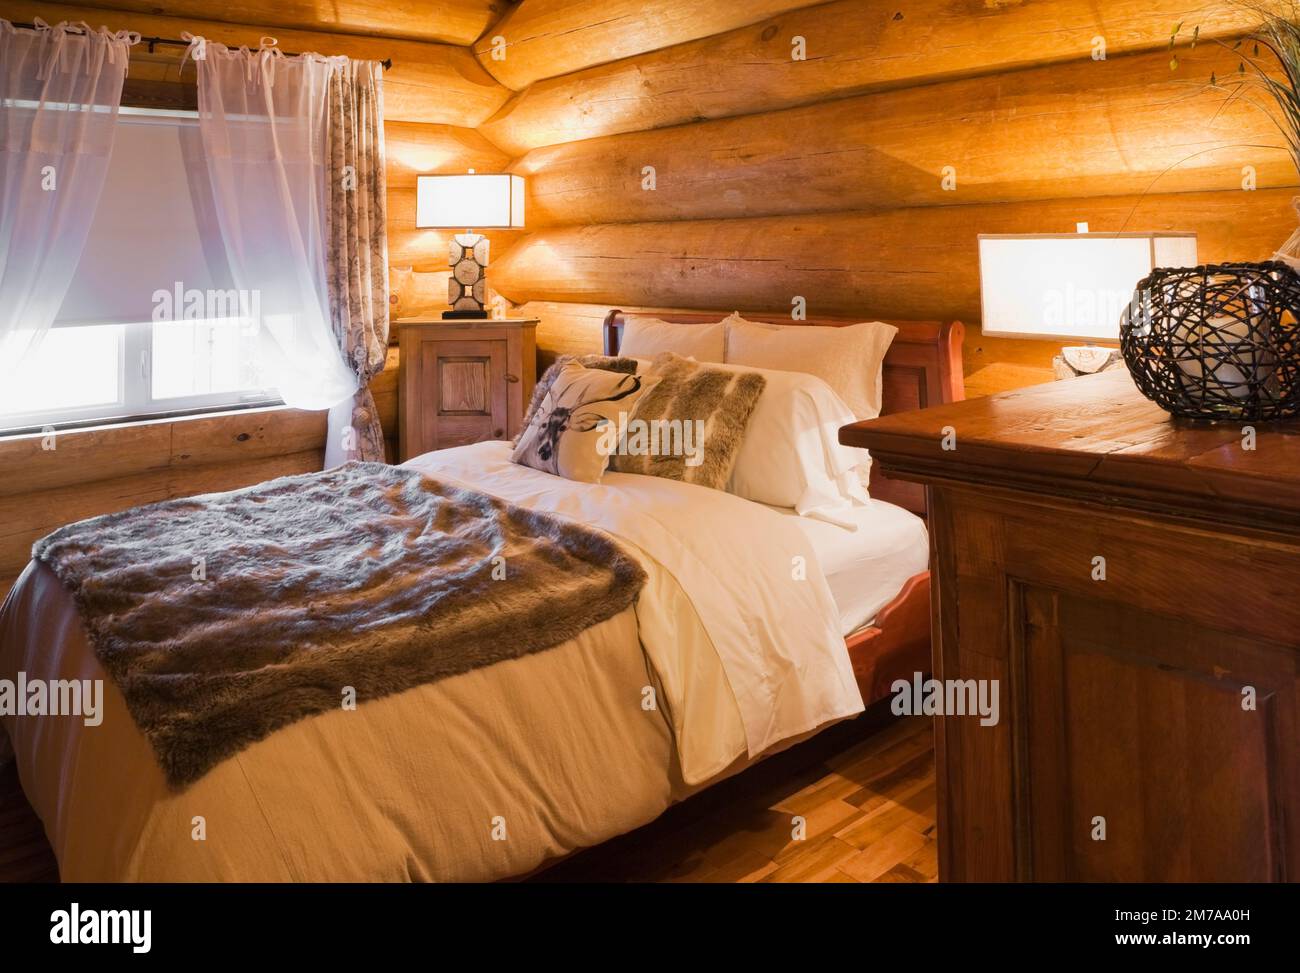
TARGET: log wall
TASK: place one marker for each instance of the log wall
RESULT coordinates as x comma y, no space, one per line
850,153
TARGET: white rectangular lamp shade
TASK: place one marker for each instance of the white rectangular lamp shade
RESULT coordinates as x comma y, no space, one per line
1069,285
470,201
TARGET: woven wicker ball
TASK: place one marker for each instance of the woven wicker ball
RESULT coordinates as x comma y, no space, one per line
1216,342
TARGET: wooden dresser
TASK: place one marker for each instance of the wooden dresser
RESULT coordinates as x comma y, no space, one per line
463,382
1132,583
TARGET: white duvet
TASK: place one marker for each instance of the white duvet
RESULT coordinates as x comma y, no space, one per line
483,775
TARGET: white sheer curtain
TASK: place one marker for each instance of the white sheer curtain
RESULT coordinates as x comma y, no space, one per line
262,118
60,90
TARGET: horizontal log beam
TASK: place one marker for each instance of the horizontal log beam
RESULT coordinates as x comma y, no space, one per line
428,82
108,452
415,149
448,21
852,48
545,38
917,263
1088,128
25,518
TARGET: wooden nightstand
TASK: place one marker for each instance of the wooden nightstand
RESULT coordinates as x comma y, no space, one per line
463,382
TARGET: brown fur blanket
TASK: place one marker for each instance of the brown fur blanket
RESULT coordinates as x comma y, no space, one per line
224,617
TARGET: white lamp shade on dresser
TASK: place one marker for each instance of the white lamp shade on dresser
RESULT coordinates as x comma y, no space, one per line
1069,285
470,201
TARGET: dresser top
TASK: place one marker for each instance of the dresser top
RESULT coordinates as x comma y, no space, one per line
1096,438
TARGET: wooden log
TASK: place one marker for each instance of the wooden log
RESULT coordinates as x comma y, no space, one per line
545,38
81,456
852,48
918,263
415,149
434,83
97,453
459,22
1088,128
25,518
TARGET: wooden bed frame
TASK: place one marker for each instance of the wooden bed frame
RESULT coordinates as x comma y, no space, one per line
922,368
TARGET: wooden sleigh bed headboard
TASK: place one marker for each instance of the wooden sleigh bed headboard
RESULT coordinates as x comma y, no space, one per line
922,368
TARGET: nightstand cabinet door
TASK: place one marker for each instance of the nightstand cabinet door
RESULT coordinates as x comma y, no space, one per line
464,397
462,385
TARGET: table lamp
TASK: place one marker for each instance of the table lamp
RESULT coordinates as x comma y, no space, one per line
1070,286
488,201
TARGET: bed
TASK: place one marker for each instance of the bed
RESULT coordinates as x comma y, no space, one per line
493,772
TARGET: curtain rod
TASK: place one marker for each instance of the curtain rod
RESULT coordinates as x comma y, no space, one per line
169,42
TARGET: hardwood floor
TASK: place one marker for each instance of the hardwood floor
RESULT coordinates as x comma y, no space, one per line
868,806
867,803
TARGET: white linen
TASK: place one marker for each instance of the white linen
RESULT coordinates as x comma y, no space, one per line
648,337
868,566
773,627
792,456
849,359
60,94
262,119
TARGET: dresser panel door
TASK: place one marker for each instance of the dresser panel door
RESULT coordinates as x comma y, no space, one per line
1136,724
465,399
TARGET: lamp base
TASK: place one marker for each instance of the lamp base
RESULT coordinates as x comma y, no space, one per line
467,285
464,315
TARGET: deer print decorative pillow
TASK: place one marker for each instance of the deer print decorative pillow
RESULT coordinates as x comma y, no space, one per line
577,424
588,361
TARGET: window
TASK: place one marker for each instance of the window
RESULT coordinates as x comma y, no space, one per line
151,325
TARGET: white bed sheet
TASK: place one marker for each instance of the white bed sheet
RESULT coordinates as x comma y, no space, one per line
865,568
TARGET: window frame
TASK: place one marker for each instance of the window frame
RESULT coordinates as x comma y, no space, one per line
135,401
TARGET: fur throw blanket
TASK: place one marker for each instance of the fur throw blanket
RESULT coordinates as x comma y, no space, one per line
226,616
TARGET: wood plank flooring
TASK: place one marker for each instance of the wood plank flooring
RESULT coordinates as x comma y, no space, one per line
865,794
867,804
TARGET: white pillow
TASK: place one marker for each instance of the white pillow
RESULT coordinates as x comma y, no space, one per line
792,456
648,337
848,359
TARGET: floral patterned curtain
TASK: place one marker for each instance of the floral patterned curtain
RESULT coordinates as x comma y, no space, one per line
357,257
